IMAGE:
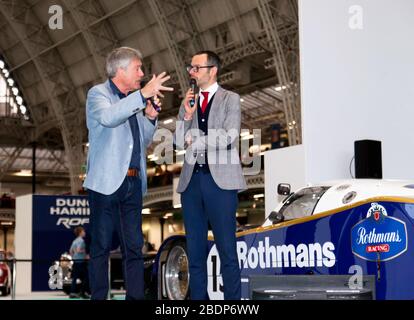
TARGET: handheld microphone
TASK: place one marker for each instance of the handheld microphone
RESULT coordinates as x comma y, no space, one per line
154,105
151,99
193,86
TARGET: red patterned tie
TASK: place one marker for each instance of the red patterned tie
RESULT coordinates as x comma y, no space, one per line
205,101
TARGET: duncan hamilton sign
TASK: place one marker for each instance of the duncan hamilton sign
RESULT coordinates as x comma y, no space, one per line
54,219
379,237
70,212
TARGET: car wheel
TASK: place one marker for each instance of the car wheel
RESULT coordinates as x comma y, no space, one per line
176,276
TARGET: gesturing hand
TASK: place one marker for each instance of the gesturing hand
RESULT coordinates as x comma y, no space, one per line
154,86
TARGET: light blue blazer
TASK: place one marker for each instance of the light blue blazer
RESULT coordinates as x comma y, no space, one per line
110,138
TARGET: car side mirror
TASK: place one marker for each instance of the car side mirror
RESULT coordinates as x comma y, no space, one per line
283,189
276,217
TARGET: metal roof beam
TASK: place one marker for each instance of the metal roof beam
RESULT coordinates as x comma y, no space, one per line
290,94
72,138
10,161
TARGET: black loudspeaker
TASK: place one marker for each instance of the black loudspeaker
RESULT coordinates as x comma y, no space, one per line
368,159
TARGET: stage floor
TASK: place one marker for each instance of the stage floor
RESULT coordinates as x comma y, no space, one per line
56,295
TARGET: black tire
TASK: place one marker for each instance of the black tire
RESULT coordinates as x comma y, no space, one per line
150,281
176,276
66,288
6,290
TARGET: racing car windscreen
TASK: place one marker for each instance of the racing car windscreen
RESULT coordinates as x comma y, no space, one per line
302,203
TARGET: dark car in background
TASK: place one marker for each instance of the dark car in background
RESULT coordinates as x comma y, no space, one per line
5,275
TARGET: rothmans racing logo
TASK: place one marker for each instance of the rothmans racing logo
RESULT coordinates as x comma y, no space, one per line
379,237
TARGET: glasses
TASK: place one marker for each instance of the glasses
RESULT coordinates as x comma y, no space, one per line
196,68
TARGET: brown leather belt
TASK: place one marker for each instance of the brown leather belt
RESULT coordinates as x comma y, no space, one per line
133,173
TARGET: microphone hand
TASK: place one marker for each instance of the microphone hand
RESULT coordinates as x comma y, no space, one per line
193,86
190,102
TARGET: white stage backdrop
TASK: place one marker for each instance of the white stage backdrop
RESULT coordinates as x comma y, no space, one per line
357,81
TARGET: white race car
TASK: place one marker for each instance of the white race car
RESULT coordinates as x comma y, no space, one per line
339,240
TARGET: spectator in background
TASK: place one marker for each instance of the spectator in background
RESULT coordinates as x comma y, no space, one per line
80,267
147,247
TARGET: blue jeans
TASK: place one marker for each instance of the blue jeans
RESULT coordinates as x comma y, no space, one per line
203,202
120,211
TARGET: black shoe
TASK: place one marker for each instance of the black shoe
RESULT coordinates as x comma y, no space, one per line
85,296
74,296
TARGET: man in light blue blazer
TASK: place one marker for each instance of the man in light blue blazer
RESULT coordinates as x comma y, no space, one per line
121,120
